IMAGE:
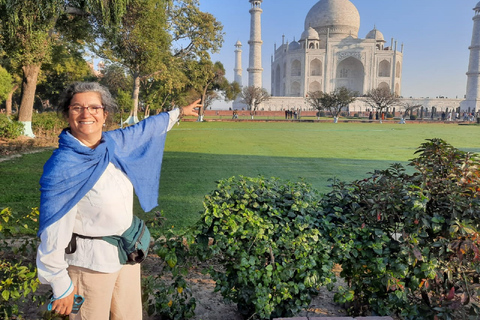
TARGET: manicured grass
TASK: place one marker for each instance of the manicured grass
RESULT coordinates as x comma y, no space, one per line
198,154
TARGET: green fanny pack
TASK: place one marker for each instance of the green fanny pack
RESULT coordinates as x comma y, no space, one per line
132,245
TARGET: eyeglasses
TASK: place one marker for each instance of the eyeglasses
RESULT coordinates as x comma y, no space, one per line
92,109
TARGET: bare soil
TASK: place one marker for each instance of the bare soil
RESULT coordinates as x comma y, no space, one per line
210,304
15,148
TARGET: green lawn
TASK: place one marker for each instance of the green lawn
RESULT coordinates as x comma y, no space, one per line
198,154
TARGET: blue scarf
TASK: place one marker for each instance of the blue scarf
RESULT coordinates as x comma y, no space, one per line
73,169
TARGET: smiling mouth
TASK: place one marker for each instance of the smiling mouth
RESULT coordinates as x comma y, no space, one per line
87,122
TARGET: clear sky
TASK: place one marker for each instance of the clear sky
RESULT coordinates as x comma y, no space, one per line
436,35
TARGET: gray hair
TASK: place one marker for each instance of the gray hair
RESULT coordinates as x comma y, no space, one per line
78,87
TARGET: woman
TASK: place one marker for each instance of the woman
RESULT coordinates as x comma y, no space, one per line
87,188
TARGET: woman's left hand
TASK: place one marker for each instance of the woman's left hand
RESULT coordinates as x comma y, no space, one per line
190,110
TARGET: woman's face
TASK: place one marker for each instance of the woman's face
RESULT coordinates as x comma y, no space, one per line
86,125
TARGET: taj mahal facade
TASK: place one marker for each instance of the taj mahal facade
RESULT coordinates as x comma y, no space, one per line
330,54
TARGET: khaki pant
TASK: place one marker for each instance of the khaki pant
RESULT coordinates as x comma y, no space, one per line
108,294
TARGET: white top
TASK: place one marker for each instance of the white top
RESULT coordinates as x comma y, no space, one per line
107,209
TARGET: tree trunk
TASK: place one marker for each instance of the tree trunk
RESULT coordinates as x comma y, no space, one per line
135,95
133,118
10,100
201,112
29,86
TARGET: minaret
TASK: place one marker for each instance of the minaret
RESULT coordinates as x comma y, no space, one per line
472,102
255,64
238,63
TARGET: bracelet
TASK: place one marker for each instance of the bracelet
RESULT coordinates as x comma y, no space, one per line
49,307
71,284
182,113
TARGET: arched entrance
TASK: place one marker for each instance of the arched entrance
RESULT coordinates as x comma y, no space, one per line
351,75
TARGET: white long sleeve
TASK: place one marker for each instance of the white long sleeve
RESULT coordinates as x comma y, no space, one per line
107,209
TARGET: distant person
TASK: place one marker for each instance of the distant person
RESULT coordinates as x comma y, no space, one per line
87,189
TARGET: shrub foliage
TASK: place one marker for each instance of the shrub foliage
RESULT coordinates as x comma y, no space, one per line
268,239
409,244
18,280
9,129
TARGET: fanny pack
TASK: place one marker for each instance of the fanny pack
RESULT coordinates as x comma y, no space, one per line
132,245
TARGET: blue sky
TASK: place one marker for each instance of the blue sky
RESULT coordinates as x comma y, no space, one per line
436,35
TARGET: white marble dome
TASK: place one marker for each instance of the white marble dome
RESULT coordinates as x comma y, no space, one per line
340,16
310,34
294,45
375,34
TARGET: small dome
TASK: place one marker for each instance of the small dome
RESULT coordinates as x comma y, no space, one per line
477,6
294,45
310,34
375,34
238,44
340,16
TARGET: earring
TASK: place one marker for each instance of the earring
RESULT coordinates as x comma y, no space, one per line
104,124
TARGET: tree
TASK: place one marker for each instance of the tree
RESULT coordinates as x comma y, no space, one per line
313,99
168,89
26,40
154,34
254,96
115,78
409,108
29,28
381,99
209,79
5,62
6,84
139,43
334,102
66,65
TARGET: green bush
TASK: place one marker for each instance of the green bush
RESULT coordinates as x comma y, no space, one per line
9,129
48,123
268,237
18,279
166,293
370,215
409,244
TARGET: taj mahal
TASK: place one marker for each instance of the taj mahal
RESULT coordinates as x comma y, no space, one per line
330,54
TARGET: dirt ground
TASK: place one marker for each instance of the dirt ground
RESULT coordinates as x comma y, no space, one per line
10,149
210,304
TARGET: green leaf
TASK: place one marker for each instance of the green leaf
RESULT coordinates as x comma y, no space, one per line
6,295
